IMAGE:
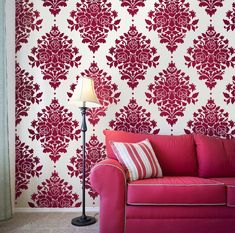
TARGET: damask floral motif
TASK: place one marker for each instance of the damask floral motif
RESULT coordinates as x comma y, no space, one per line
230,21
211,5
106,91
93,19
132,56
55,55
54,193
55,5
172,20
27,20
95,153
133,5
172,92
211,55
134,118
54,128
230,94
27,166
211,120
27,93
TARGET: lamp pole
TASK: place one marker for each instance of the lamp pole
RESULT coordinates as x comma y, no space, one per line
83,129
83,220
84,96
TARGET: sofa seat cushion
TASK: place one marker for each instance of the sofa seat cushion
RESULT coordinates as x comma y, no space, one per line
178,190
230,185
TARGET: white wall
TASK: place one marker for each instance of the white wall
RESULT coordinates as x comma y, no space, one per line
10,38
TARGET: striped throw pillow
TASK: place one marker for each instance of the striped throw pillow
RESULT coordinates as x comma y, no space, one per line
138,158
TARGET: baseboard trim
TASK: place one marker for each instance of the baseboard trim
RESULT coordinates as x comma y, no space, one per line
67,210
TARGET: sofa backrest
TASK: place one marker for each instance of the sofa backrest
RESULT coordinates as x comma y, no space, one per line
216,157
176,154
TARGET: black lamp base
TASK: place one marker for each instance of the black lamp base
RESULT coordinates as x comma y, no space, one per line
83,221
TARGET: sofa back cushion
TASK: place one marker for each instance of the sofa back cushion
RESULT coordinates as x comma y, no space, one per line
176,154
216,157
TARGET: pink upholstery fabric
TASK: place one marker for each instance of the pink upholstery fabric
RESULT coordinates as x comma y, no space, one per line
121,136
108,179
176,154
216,157
230,184
195,225
179,212
176,191
180,219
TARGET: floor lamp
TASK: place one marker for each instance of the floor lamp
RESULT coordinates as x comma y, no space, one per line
84,97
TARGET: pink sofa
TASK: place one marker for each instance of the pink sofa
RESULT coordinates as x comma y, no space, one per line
195,195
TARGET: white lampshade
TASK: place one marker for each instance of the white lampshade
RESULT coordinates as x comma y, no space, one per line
84,95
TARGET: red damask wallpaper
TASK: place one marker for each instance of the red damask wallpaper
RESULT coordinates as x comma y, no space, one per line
159,66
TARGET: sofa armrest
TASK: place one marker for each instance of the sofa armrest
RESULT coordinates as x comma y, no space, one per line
109,180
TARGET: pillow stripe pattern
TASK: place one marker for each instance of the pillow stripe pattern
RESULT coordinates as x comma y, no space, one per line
138,158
